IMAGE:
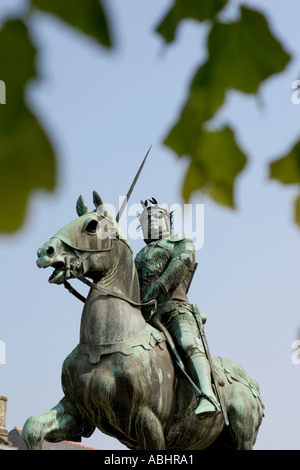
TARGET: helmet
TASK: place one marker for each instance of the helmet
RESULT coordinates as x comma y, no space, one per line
152,214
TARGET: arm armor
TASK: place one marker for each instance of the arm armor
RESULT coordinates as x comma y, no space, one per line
181,262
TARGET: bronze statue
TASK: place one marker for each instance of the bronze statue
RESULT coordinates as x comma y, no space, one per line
165,269
122,378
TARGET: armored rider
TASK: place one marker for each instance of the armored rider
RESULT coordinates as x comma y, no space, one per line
165,268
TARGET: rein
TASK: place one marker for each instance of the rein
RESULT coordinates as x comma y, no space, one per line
91,284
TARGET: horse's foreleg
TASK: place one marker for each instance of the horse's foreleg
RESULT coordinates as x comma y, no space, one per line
60,423
149,430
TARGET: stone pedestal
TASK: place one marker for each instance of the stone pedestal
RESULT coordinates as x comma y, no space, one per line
3,431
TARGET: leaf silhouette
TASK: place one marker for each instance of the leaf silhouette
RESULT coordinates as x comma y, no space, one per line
27,160
287,171
86,16
241,55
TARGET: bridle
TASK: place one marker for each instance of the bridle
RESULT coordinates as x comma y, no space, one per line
95,286
91,284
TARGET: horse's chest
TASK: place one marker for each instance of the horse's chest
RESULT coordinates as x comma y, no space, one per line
86,383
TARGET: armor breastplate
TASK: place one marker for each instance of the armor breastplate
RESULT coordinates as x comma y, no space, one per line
151,262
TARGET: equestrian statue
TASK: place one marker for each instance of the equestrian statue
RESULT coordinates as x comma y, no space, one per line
142,371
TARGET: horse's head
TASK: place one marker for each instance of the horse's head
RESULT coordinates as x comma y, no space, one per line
82,246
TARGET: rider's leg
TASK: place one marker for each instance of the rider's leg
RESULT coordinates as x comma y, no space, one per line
199,370
185,332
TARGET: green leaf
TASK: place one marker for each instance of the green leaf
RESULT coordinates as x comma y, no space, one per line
297,210
214,166
245,53
237,59
87,16
26,157
184,9
241,56
287,169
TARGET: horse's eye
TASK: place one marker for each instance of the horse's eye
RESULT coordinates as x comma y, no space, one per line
91,227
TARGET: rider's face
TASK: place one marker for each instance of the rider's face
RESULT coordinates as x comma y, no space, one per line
158,226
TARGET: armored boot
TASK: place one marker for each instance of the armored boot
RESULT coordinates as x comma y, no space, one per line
200,372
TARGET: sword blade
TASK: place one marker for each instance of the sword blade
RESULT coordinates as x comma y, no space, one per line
131,187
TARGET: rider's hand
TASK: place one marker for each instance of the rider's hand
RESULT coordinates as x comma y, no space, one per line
153,292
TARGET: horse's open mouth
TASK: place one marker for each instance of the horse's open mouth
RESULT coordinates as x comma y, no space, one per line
58,275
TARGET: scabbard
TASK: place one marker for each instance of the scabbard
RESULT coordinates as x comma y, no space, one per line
157,324
198,319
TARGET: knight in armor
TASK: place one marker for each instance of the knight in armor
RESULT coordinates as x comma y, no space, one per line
165,268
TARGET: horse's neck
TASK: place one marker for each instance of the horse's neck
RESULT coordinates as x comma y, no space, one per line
122,278
107,319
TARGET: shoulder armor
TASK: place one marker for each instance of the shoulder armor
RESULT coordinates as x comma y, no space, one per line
178,237
174,238
165,243
170,242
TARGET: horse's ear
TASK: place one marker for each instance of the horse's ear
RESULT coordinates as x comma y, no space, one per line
81,207
97,199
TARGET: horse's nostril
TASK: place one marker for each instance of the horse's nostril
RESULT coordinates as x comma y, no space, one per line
50,250
39,252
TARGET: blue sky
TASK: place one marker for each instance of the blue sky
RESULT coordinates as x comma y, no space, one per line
103,110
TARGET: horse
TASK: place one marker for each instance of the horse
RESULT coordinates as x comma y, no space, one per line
122,377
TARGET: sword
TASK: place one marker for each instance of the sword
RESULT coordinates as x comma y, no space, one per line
131,187
198,319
